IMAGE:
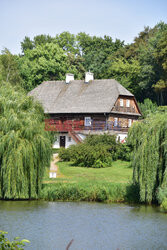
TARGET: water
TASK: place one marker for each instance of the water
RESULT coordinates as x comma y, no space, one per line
94,226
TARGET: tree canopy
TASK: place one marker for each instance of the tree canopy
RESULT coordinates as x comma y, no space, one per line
25,147
149,160
141,66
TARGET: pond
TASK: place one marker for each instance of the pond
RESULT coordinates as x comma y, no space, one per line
52,225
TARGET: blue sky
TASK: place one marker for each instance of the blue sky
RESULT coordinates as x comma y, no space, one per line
122,19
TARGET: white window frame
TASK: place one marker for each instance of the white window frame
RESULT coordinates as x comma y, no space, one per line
127,103
115,122
129,123
121,102
88,121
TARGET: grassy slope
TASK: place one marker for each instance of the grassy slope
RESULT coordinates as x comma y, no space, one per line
120,172
90,184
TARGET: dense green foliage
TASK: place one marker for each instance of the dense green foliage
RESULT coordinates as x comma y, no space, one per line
25,147
96,151
84,155
140,66
9,68
45,62
147,108
90,191
149,141
6,244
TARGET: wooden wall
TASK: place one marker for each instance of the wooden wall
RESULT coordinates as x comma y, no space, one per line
133,105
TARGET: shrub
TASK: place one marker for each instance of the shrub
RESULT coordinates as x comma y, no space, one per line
64,154
96,151
91,156
124,152
108,140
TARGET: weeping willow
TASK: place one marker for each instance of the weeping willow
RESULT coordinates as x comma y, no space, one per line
25,147
149,161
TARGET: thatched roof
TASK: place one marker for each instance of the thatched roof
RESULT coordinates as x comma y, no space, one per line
97,96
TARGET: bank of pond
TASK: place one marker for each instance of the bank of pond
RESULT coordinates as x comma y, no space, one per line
112,184
87,191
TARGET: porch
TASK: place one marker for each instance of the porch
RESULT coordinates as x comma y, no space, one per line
79,126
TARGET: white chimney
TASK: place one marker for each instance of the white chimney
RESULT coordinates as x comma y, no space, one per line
89,77
69,77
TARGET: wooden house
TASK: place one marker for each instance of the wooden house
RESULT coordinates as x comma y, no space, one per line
76,108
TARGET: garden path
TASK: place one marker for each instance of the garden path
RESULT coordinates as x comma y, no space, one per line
53,166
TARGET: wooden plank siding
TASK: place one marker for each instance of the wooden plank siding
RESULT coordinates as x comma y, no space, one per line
101,122
133,108
121,117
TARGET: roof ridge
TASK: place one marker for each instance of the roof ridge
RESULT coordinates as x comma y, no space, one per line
97,96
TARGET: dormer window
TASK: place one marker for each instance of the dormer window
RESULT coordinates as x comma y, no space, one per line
121,102
127,103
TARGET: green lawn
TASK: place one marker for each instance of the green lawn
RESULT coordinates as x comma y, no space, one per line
120,172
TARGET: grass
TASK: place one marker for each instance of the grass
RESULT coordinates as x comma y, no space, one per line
120,172
91,184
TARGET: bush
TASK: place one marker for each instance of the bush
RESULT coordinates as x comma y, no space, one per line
124,152
97,151
64,154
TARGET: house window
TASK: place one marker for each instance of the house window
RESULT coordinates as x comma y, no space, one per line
69,139
88,121
115,122
121,102
129,123
127,103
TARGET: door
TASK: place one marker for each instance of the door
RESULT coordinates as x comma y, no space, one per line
62,141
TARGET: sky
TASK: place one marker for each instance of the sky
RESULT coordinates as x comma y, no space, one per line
122,19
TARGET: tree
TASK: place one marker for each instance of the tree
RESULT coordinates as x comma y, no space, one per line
161,57
147,108
67,42
27,44
148,50
9,70
95,51
127,73
25,147
45,62
149,161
